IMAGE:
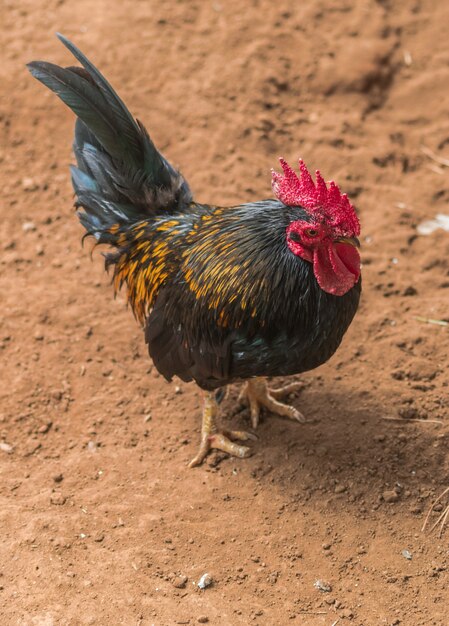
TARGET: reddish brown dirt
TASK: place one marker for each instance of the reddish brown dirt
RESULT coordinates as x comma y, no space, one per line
99,515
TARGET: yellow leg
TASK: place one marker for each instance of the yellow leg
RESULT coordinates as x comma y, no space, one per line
211,438
257,394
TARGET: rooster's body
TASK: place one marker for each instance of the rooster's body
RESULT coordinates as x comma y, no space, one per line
227,302
224,294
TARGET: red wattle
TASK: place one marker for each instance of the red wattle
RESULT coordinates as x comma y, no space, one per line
336,267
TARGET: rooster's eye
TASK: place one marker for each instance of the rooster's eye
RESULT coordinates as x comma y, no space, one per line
311,232
294,237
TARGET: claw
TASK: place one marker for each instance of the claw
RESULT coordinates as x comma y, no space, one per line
240,435
258,395
212,439
286,390
219,441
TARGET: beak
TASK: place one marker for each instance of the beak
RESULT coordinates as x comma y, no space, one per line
352,241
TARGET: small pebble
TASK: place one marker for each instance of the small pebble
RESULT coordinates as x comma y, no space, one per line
43,430
180,582
28,227
205,581
5,447
203,619
340,489
323,586
29,184
407,554
408,412
57,498
390,496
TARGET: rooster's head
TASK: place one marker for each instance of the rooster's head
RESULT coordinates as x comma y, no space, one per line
327,234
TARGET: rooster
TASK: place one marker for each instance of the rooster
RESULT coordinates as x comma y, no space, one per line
265,288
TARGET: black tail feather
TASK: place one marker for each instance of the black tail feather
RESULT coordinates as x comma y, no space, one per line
139,143
120,174
85,100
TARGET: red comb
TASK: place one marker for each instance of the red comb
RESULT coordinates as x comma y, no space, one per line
319,199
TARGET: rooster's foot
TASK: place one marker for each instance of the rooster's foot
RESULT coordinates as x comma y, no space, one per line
257,395
212,439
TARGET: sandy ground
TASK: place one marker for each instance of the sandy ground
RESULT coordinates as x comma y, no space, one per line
101,522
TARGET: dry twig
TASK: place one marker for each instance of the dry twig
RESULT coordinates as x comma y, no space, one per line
431,154
428,320
405,420
437,169
442,519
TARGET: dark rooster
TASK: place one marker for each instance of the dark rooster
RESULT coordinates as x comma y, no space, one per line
267,288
